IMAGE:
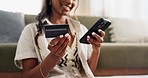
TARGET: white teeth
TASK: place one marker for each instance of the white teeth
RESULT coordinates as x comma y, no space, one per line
66,7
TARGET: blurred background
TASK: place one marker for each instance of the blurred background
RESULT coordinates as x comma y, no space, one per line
129,25
135,9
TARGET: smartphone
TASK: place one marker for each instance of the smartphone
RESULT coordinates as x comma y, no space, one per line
102,24
55,30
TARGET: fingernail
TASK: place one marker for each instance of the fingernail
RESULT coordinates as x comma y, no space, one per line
61,36
99,30
66,35
93,33
88,37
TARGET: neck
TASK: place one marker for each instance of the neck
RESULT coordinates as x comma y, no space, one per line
57,19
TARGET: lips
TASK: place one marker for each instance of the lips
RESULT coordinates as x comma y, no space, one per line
66,8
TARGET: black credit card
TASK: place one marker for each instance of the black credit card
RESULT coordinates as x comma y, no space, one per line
102,24
55,30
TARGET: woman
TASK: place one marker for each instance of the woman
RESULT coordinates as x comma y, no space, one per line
60,57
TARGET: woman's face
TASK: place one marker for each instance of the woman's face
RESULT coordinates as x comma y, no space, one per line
63,7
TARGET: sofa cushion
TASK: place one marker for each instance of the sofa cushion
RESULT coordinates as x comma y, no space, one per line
129,31
11,25
7,54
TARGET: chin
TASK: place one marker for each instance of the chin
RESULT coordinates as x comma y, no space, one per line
65,14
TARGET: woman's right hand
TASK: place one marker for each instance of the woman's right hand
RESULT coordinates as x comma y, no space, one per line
59,44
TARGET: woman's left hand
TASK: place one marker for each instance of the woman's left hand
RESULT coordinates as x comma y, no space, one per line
96,39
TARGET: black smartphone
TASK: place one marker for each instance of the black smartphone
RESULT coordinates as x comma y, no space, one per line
55,30
102,24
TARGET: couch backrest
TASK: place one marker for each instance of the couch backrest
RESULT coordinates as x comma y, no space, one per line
30,19
88,21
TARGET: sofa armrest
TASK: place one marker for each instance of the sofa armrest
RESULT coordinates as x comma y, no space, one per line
123,55
7,53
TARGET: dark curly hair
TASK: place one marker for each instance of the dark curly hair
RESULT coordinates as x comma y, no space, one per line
45,12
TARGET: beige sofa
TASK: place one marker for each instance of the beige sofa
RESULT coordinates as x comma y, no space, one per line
115,58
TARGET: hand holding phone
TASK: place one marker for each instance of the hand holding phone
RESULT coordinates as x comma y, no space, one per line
102,24
55,30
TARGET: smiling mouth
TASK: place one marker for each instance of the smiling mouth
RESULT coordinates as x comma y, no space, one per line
66,7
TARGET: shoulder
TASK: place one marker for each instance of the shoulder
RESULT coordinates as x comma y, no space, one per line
30,28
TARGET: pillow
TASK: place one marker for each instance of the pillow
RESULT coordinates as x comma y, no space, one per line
129,31
11,25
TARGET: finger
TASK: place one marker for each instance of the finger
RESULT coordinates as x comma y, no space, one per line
90,40
61,42
55,49
93,42
62,46
64,49
54,42
68,36
101,32
97,37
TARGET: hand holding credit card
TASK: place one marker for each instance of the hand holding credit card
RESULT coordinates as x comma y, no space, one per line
55,30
